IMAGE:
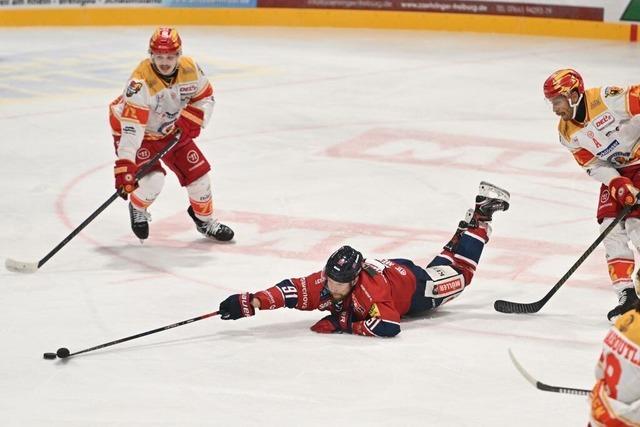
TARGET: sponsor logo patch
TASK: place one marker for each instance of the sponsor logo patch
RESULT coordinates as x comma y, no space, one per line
305,295
448,287
609,148
143,154
192,157
189,89
603,120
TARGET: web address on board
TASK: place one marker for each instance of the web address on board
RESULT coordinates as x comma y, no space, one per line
446,7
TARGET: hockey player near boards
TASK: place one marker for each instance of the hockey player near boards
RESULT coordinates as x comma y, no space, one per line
615,399
167,95
601,128
369,296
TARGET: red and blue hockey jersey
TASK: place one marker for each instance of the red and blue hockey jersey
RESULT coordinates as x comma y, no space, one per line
382,294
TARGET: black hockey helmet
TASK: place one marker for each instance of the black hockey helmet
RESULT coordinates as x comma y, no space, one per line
344,265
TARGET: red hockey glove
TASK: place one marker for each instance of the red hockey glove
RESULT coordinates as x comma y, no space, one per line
190,122
333,323
623,190
125,174
237,306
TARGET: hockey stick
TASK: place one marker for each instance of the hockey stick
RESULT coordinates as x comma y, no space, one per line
63,352
32,267
533,307
545,387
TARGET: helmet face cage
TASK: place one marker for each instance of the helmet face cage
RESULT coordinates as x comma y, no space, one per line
344,265
563,82
165,40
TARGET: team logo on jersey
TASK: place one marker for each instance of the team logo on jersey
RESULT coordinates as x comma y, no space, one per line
133,88
604,197
374,311
603,120
143,154
193,157
613,91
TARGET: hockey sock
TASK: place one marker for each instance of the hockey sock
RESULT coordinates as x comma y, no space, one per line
620,271
200,198
470,246
148,189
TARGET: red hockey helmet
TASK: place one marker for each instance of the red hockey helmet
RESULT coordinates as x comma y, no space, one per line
563,82
165,40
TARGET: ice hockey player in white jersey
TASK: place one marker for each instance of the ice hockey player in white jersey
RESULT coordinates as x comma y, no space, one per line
166,95
601,128
615,399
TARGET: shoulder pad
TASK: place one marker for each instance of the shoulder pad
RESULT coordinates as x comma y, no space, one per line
188,70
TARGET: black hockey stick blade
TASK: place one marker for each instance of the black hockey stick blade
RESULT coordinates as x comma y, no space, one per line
517,307
546,387
533,307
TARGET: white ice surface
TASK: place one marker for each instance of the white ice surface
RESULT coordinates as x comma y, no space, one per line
319,138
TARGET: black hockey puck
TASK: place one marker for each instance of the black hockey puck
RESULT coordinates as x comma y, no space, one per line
49,356
63,352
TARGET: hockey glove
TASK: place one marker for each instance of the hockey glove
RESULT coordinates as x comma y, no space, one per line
125,174
190,122
623,190
237,306
333,323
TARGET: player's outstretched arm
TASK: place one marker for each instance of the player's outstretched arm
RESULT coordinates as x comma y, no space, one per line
284,294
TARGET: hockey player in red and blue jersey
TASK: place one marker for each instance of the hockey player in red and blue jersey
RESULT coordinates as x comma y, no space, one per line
369,296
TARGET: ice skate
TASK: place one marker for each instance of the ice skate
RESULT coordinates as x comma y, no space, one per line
626,300
211,229
462,227
490,199
139,222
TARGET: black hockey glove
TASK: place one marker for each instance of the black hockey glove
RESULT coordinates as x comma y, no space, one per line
237,306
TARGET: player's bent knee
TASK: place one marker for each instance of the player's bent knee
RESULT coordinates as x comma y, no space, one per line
153,180
444,281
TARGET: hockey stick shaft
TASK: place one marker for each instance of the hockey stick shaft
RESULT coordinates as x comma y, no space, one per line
144,334
542,386
515,307
145,169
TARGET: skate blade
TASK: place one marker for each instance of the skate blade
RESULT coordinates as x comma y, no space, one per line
487,189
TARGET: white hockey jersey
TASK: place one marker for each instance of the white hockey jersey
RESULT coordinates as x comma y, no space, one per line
615,399
149,107
609,138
